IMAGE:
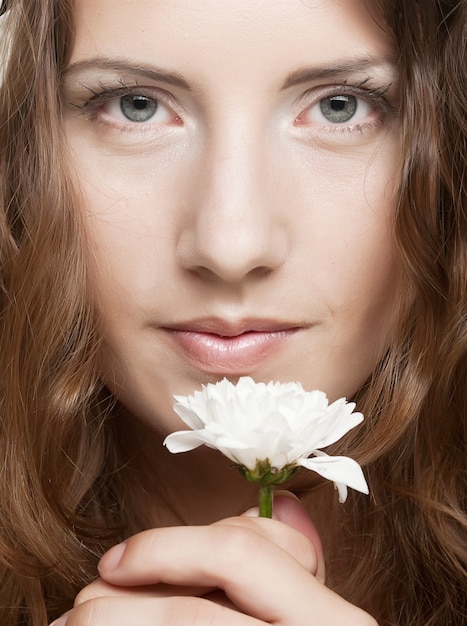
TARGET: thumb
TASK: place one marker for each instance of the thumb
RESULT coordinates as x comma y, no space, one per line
289,510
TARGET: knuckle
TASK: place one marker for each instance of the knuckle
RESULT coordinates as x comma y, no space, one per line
237,543
286,537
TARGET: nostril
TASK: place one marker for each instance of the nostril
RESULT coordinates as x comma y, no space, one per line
233,257
207,274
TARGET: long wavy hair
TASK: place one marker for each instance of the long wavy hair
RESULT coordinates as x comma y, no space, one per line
62,486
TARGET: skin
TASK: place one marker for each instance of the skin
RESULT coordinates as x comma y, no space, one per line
238,201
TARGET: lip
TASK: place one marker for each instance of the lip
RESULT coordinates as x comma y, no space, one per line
217,346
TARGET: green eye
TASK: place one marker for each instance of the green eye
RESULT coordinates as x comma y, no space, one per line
338,109
138,108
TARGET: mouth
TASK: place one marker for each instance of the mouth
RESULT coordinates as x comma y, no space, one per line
218,347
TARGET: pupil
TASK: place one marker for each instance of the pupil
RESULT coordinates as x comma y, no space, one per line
338,109
138,108
338,105
140,103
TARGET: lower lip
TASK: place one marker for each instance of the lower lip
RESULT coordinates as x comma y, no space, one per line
229,355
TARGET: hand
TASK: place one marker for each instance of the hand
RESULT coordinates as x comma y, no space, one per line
242,571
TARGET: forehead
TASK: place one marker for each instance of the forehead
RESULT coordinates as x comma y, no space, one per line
224,34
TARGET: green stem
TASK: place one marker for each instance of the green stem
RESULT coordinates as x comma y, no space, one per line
265,501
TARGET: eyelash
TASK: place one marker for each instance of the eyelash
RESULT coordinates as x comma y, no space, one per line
106,94
376,96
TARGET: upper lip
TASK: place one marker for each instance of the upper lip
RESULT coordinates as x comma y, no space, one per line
231,328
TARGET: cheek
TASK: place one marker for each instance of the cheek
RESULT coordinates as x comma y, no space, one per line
347,209
130,229
351,254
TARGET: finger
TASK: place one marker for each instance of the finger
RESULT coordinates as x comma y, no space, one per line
100,588
121,611
296,534
141,549
289,510
259,576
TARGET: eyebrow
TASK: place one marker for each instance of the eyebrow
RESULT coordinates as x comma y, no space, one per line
310,74
303,75
116,65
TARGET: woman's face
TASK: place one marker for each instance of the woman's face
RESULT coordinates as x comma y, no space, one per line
237,163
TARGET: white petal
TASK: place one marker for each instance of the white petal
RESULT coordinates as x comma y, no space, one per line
341,424
340,469
342,491
234,444
183,440
280,422
191,419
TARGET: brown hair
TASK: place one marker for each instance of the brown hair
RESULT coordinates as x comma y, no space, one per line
61,493
411,559
51,445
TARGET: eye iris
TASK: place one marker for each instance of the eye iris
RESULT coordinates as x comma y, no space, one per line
138,108
338,109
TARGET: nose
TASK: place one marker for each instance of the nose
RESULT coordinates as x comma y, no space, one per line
233,230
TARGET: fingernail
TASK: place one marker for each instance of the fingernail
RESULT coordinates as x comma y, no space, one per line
253,512
288,494
279,493
111,559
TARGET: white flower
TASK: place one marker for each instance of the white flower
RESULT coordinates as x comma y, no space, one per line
275,426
